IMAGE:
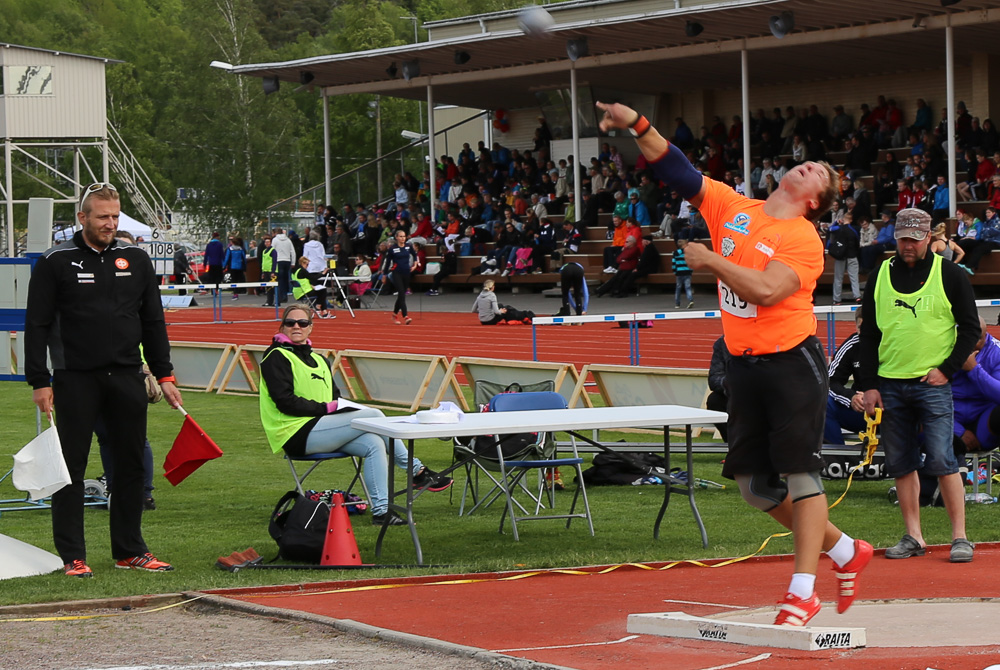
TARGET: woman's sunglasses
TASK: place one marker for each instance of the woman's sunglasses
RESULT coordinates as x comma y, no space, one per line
301,323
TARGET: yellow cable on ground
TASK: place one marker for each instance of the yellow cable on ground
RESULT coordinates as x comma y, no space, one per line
869,440
99,616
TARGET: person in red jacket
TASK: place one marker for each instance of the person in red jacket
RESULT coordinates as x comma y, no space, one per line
628,260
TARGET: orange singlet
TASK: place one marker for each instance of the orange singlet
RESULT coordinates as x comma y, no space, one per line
743,234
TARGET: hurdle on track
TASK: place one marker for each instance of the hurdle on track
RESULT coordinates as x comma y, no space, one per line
634,319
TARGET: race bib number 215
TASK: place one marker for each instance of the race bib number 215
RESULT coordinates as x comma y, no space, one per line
731,302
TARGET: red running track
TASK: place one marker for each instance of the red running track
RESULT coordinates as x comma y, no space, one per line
683,343
546,618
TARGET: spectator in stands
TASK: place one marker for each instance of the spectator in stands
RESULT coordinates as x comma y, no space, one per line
993,191
940,191
682,274
980,178
922,118
885,240
618,234
671,222
841,126
571,238
869,234
885,188
683,137
990,138
988,241
623,281
843,246
945,247
637,208
845,406
491,312
447,267
968,231
763,184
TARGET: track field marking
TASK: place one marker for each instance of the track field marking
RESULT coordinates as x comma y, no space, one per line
212,666
760,657
695,602
563,646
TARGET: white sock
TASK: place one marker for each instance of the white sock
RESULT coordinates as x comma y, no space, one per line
802,584
843,551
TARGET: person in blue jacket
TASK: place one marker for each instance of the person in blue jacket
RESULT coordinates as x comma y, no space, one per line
975,390
235,263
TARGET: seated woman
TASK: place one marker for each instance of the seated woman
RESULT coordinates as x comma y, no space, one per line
300,413
363,273
303,285
492,312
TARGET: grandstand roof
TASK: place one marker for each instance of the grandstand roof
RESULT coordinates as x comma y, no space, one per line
635,47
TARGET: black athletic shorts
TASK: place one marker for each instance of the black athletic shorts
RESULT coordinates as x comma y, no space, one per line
777,408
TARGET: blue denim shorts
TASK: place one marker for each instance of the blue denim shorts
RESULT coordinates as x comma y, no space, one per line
908,408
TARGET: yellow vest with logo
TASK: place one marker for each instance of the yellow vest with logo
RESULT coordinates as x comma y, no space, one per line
278,426
918,329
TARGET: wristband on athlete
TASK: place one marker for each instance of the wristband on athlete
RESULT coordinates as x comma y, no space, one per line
674,169
171,379
639,127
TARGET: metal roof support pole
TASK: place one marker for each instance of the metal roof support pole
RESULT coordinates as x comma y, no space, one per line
431,153
327,193
575,164
105,161
8,186
745,83
949,72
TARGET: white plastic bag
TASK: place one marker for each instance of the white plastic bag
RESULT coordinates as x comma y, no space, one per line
39,468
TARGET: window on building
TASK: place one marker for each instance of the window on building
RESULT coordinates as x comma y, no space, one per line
29,80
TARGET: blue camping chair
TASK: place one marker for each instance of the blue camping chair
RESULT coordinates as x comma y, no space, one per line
538,457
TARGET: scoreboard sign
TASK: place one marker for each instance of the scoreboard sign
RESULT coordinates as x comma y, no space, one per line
162,254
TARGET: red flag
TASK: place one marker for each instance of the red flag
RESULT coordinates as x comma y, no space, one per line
192,447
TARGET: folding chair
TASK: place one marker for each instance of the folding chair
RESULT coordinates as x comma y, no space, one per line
466,449
315,460
539,457
369,299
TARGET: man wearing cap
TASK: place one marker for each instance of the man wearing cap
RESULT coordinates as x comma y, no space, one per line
919,326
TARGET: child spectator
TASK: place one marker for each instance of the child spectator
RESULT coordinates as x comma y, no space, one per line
682,272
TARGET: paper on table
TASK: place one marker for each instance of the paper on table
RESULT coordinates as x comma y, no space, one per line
445,412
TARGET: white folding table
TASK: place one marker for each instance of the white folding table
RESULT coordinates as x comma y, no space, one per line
556,420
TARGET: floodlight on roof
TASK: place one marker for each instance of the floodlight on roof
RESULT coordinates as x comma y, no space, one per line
392,69
782,24
577,48
411,69
462,57
693,29
271,85
306,78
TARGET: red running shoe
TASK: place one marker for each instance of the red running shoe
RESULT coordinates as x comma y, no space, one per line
796,611
847,576
146,562
78,568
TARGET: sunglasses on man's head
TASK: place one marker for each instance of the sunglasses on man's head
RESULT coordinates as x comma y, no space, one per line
301,323
94,188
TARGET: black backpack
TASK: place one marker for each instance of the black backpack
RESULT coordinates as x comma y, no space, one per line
299,522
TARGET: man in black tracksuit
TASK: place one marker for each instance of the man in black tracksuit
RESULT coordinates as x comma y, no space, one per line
91,303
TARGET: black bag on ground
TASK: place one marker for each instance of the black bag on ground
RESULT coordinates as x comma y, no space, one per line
626,469
298,523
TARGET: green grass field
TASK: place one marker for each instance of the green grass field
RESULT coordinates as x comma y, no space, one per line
225,506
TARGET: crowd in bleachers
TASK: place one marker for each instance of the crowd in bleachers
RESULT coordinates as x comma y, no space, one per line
515,211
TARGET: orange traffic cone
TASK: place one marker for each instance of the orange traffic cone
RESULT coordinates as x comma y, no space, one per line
340,547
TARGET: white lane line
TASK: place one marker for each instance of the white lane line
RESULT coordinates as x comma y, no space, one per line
211,666
695,602
760,657
568,646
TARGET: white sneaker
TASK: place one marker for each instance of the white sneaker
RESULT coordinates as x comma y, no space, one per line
505,273
609,271
537,271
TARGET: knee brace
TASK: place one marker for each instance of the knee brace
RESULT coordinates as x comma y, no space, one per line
765,492
802,485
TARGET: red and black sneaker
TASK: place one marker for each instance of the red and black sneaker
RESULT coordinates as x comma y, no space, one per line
431,480
146,562
78,568
847,576
795,611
